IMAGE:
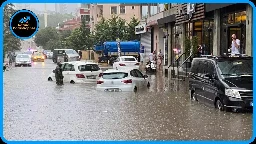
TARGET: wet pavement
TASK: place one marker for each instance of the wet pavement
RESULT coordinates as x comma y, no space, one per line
35,109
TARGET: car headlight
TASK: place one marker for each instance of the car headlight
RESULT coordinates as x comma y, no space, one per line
232,93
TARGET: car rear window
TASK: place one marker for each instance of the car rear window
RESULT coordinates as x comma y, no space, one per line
128,59
114,75
88,67
22,56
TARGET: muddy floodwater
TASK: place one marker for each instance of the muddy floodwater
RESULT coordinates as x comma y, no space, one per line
35,109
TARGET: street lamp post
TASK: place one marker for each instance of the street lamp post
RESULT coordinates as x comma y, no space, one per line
118,47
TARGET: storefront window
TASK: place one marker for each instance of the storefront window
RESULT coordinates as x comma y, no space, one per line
234,18
207,36
188,29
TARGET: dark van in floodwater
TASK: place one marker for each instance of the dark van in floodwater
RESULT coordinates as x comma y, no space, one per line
224,82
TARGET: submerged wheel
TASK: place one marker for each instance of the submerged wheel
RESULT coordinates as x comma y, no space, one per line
193,96
219,105
72,82
49,79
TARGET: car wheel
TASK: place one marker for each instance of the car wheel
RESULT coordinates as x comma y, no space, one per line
135,89
193,96
72,82
219,105
49,79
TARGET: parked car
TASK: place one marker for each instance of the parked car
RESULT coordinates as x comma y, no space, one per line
224,82
122,80
78,72
49,55
23,60
125,62
38,57
64,55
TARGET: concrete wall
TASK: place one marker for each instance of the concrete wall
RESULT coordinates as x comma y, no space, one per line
156,38
216,33
249,31
129,12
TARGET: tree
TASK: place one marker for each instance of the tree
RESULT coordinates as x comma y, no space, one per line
45,35
80,38
101,32
130,32
110,30
10,42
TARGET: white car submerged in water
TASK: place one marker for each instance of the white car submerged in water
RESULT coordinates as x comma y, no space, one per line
78,72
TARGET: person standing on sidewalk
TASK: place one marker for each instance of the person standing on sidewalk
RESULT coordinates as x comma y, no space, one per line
160,59
235,45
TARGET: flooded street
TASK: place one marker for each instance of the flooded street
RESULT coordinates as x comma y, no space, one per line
35,109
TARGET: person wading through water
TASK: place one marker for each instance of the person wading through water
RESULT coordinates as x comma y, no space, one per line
58,74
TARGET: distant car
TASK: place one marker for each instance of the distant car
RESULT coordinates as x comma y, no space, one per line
29,53
65,55
126,62
49,55
78,72
122,80
38,56
23,60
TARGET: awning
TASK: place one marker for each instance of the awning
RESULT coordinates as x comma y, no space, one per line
168,19
210,7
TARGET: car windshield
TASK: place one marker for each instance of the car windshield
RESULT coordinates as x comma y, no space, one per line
128,59
88,67
114,75
22,56
71,52
229,68
28,52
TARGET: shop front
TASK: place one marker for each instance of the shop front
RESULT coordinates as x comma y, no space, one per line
190,21
231,19
145,39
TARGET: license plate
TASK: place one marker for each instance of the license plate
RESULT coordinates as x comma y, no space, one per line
251,104
91,77
112,90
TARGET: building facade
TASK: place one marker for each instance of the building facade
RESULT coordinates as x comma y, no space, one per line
212,24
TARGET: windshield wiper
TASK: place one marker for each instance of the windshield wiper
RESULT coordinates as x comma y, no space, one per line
230,74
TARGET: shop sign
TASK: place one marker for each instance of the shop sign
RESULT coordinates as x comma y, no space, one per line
139,29
186,14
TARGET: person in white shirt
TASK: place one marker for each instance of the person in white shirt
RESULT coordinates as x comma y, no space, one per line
235,46
151,56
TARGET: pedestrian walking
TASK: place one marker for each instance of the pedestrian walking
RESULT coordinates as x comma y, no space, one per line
58,74
235,45
10,57
80,54
160,59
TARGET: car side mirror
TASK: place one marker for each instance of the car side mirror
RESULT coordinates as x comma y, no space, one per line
145,76
53,71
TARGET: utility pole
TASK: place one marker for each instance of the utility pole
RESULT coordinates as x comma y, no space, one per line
45,15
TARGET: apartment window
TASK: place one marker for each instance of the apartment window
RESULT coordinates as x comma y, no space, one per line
122,9
113,10
133,7
86,17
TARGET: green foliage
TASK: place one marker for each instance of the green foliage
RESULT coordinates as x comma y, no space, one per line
191,45
80,38
187,45
11,43
110,30
45,35
130,32
194,44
